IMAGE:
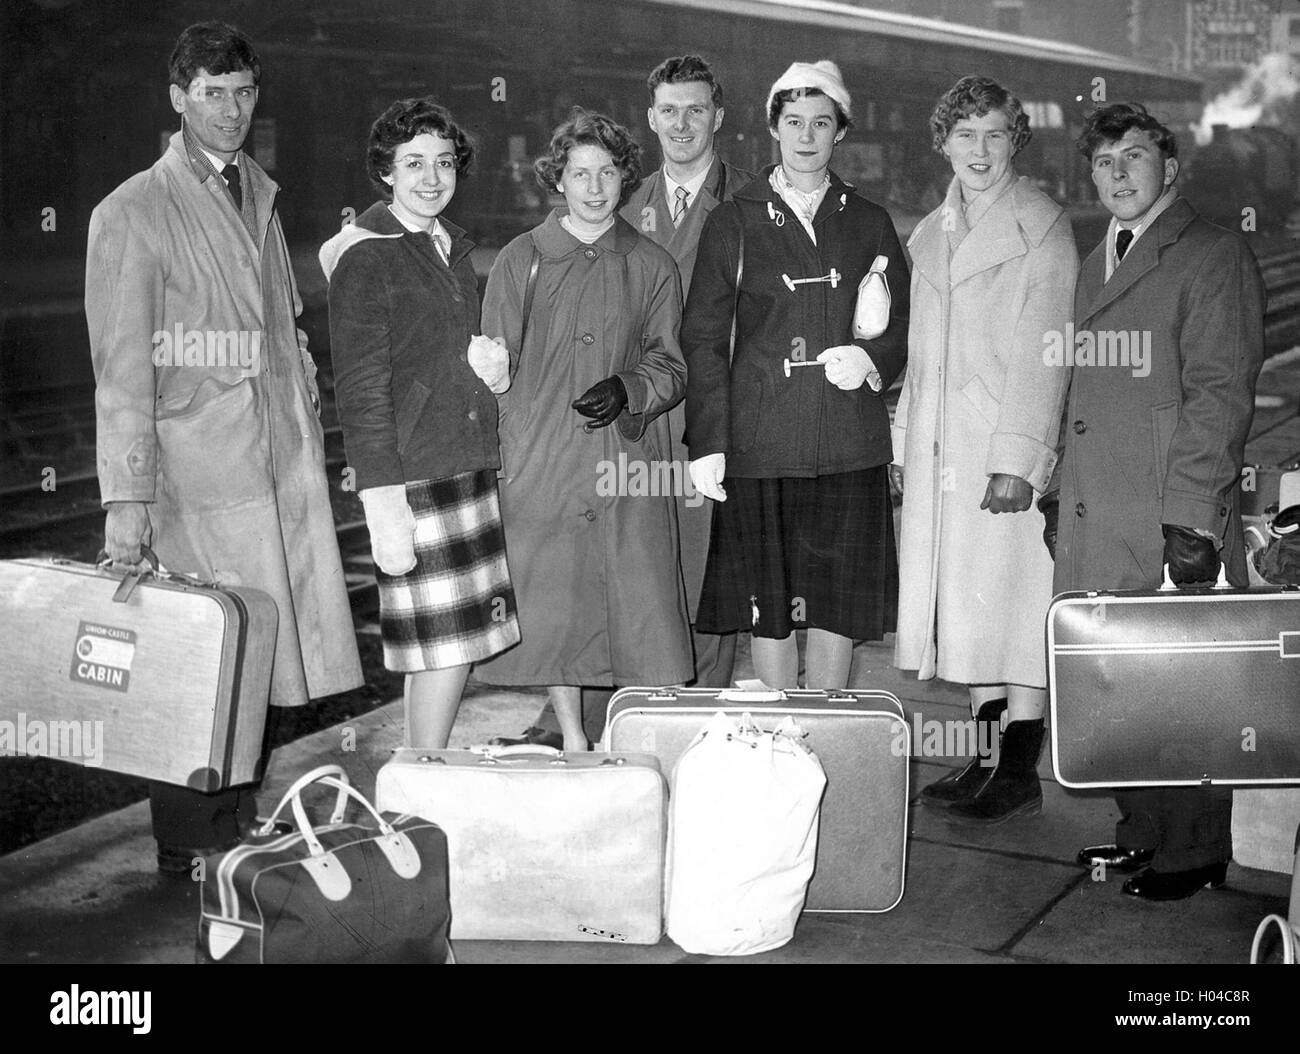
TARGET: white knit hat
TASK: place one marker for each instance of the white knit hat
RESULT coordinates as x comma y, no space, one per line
824,75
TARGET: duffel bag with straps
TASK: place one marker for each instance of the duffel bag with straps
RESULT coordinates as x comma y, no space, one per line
373,892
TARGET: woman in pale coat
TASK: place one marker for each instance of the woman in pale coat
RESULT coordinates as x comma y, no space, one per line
975,438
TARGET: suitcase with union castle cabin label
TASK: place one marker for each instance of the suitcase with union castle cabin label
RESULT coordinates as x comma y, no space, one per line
154,676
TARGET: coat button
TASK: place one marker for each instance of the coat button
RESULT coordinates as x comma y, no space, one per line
473,415
587,338
590,515
1080,428
1223,510
1080,509
590,254
455,298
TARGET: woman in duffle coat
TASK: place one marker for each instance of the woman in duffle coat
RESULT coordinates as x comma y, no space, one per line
795,455
594,558
975,435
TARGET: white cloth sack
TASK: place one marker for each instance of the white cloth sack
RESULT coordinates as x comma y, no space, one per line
871,315
742,836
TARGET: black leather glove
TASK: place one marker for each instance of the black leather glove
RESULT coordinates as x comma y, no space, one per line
1050,506
602,402
1190,557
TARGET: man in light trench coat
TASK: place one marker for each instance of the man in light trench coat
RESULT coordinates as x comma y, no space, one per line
209,445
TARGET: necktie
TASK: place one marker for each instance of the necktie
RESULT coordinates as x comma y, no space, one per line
1123,239
231,175
679,209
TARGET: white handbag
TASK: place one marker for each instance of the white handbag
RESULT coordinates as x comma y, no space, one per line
1288,928
742,836
871,315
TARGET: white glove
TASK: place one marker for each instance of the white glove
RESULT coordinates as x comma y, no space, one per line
848,366
707,473
392,528
490,359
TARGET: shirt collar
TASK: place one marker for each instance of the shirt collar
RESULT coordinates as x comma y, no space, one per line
1163,202
693,185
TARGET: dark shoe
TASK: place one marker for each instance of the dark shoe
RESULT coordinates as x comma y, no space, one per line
1176,885
534,735
1114,857
964,785
1013,789
178,861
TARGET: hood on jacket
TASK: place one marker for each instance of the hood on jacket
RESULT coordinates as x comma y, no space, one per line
368,225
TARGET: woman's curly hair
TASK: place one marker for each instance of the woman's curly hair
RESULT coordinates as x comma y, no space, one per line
591,129
975,97
401,123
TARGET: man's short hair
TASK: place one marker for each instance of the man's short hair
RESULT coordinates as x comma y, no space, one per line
1109,124
213,46
401,123
685,69
591,129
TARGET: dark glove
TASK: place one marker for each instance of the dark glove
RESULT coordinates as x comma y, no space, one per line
1006,493
602,402
1190,557
1050,506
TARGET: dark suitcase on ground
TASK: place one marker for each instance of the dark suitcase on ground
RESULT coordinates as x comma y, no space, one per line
863,742
157,677
1175,687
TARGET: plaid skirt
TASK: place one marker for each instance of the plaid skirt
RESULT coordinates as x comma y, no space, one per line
456,606
789,554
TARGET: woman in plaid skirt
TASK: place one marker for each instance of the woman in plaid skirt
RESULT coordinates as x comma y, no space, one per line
416,393
790,410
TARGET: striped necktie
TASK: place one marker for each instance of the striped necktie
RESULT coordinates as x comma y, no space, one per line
679,209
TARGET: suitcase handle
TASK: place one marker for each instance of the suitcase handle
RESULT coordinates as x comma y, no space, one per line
747,695
491,755
1167,586
1289,939
332,775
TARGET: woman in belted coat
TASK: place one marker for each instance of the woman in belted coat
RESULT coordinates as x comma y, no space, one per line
789,433
993,271
587,491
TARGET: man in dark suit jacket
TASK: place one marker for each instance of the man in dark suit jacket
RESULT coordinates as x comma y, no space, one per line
670,208
1154,445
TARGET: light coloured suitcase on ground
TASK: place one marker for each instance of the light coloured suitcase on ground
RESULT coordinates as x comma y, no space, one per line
1175,687
542,845
149,676
863,742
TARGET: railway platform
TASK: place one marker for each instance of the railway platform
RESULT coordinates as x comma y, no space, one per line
1010,894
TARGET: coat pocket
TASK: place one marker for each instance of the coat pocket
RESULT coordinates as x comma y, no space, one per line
1164,422
214,454
982,399
408,412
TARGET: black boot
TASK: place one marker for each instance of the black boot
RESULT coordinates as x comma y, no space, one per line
1013,789
964,785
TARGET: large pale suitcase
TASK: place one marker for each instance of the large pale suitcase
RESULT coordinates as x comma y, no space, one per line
150,676
863,742
542,845
1175,687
